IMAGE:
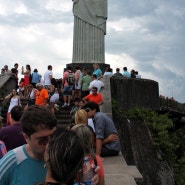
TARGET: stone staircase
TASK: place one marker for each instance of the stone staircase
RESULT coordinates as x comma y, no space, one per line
117,172
63,114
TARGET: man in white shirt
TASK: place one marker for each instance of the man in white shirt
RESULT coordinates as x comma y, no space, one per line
48,75
95,83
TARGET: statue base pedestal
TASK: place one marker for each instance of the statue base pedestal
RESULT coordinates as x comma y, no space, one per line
88,66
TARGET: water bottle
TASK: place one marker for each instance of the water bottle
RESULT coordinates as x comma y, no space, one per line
88,172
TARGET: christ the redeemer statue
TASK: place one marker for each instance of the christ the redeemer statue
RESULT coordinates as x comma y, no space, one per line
89,30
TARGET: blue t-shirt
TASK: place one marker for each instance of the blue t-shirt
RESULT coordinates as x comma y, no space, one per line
18,168
97,72
35,77
126,74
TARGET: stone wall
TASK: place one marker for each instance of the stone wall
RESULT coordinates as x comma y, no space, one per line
7,83
132,92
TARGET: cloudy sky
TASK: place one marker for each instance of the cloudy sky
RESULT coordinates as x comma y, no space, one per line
145,35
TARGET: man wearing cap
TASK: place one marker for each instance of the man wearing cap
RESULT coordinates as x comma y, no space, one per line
41,95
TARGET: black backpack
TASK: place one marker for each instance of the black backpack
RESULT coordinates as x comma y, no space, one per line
70,78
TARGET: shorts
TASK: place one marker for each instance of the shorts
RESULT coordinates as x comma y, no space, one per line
68,90
78,86
54,98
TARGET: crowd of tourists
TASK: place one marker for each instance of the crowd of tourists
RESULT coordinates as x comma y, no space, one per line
35,150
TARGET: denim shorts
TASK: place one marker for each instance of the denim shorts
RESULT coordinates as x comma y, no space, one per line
68,90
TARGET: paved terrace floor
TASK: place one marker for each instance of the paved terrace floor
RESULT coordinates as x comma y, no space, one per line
117,172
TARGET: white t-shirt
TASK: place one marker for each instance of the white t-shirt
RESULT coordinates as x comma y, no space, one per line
91,124
13,103
96,83
47,80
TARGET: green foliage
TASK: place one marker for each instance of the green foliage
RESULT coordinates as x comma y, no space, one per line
165,137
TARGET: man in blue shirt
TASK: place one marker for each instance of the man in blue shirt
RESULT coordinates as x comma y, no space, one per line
107,140
126,73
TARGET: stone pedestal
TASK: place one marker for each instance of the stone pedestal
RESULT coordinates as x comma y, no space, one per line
106,92
88,66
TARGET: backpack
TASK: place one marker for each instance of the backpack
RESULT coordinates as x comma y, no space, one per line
70,78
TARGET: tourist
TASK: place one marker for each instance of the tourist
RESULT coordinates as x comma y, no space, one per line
48,75
31,96
27,81
97,71
81,103
68,83
14,72
86,79
41,97
132,73
117,72
35,78
94,97
25,165
7,71
12,134
74,108
104,127
26,74
53,98
137,75
2,71
126,73
63,158
108,71
87,138
14,100
21,88
78,77
95,83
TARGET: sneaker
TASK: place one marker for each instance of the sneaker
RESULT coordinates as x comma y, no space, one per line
65,105
56,105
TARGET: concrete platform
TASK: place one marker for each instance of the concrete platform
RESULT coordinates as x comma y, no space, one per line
119,180
118,172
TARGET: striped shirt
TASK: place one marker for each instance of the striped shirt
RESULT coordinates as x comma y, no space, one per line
18,168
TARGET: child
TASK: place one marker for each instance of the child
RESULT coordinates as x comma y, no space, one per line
86,135
74,109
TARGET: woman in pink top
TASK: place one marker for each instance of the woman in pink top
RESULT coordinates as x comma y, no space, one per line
26,74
